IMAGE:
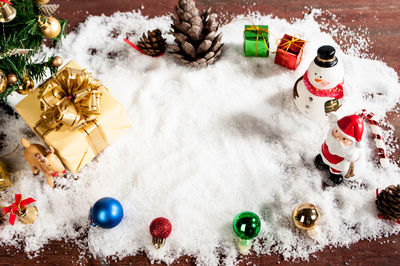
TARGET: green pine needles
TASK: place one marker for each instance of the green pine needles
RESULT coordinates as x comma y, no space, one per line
23,32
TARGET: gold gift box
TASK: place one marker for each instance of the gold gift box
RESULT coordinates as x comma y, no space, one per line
78,147
5,178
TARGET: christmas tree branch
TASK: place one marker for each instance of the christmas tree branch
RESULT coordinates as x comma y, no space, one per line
24,32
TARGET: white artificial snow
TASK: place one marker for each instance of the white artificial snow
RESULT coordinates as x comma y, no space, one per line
205,145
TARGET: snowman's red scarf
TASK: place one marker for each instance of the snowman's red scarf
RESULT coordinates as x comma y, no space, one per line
336,92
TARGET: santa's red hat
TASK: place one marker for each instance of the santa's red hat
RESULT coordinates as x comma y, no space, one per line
352,127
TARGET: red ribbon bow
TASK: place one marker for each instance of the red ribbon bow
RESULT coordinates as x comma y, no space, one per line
6,2
16,207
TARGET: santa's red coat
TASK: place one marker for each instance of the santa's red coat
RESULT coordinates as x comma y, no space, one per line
332,160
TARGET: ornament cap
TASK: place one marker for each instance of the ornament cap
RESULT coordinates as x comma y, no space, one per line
244,246
158,242
313,233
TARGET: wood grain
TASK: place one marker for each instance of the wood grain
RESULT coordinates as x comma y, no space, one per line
380,252
382,21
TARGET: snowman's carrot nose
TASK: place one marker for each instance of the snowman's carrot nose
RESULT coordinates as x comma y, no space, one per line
318,80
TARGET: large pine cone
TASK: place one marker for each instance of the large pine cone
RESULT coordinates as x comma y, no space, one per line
388,202
153,44
197,42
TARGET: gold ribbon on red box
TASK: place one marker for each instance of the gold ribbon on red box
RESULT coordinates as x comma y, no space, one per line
286,44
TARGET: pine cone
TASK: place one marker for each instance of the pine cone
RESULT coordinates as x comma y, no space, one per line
388,202
197,42
154,44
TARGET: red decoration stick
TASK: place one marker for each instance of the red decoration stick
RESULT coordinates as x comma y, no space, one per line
137,48
16,207
377,133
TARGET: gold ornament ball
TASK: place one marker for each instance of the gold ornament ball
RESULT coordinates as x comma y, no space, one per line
3,81
42,2
49,26
57,61
305,216
27,86
12,79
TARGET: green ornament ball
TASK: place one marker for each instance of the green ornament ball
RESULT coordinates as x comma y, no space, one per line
246,225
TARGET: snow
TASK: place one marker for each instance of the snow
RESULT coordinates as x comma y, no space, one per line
205,145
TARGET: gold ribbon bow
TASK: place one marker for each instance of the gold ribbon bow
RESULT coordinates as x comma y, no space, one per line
72,98
259,31
287,43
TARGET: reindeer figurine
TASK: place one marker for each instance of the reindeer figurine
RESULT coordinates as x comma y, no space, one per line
44,160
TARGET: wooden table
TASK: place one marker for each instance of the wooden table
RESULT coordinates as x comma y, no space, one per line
382,20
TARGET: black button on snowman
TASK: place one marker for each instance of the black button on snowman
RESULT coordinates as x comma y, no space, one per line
320,90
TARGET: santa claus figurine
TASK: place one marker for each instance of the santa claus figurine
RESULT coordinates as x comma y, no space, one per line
320,90
340,150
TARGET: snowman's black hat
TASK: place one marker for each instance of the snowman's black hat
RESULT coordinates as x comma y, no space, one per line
326,56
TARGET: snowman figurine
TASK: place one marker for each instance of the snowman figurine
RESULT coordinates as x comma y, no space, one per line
320,90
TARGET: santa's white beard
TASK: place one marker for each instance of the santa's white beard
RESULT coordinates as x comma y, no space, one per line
337,148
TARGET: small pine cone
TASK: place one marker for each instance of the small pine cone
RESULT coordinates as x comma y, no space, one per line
388,202
153,44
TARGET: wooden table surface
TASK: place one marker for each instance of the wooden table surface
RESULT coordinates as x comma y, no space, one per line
382,20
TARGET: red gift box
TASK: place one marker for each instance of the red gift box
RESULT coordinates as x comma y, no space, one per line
289,52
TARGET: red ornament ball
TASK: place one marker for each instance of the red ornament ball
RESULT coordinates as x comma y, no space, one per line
160,227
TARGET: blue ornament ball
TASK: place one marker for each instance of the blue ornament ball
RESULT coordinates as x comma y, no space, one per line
106,213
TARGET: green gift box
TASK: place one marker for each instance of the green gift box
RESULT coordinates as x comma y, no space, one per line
256,40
